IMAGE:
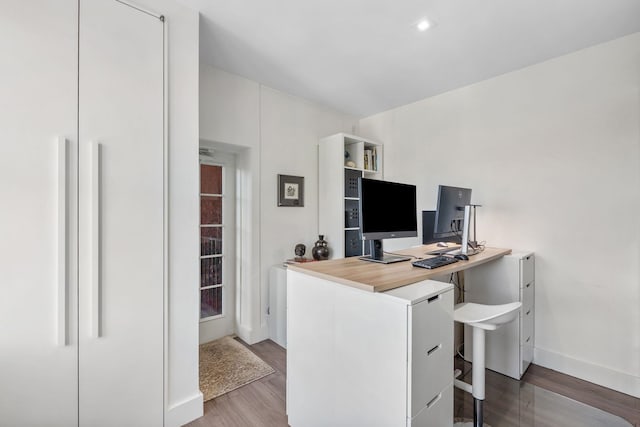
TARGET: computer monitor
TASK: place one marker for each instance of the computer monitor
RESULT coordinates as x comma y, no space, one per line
387,210
429,225
452,205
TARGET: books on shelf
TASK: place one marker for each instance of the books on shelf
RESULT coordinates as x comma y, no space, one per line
370,159
374,159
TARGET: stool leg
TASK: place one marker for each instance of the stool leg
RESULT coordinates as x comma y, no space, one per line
478,413
478,376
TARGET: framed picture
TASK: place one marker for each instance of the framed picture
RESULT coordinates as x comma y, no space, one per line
290,190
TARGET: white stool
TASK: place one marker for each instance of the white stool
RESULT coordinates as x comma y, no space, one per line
482,318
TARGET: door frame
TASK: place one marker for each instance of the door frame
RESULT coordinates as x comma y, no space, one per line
215,327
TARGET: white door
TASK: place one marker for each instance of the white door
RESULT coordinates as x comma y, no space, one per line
121,215
38,115
217,245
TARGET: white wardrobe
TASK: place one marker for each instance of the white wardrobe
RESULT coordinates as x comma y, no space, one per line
82,226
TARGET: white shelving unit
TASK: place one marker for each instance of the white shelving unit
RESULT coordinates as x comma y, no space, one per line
338,189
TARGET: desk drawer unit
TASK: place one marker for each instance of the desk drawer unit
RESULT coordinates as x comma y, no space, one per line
431,346
509,349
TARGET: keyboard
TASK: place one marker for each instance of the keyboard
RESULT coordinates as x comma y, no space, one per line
435,262
441,251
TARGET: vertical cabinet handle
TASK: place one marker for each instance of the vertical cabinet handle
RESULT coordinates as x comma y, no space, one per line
62,330
95,240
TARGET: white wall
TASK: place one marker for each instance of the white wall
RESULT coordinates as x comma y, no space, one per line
182,388
274,133
552,152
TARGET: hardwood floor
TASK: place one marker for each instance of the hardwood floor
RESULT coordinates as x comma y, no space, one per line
545,398
257,404
620,404
530,402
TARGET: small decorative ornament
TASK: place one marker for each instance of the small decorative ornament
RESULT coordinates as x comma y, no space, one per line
299,251
320,251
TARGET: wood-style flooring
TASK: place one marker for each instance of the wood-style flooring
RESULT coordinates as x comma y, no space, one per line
257,404
509,402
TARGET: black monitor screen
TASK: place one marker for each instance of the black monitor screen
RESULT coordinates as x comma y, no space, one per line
450,210
387,209
429,225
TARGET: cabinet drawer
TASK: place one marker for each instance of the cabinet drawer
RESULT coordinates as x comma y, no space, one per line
527,269
527,295
437,413
431,361
431,321
526,327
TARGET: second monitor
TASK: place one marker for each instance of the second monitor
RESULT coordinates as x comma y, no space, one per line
453,215
450,210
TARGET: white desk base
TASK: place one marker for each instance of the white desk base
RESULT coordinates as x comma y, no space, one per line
358,358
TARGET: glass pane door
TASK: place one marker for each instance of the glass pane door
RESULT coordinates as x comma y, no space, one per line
211,235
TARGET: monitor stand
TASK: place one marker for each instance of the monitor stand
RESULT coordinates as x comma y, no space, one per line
467,249
378,255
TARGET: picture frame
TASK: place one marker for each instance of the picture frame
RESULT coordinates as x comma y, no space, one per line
290,190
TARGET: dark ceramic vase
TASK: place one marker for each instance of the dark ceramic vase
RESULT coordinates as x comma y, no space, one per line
320,250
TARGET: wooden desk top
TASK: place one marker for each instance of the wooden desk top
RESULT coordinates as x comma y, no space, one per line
376,277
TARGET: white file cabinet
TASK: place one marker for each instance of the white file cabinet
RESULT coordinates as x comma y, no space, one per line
358,358
430,384
277,311
509,349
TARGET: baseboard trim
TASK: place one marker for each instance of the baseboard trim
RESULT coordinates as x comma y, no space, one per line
252,336
615,380
185,411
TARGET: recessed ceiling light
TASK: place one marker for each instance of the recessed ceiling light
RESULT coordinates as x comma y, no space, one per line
423,25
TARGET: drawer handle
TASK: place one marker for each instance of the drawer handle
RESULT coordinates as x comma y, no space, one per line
528,339
430,352
432,299
434,401
528,312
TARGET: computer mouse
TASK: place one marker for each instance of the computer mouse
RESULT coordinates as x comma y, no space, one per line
442,245
461,257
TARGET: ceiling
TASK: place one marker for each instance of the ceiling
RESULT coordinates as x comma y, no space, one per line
366,56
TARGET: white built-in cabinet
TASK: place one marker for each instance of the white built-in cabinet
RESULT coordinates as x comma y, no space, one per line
338,189
277,311
508,349
82,182
358,358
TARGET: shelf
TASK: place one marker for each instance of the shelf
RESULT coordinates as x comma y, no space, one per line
362,170
341,189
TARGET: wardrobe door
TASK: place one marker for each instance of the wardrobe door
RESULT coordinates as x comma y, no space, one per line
121,196
38,137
